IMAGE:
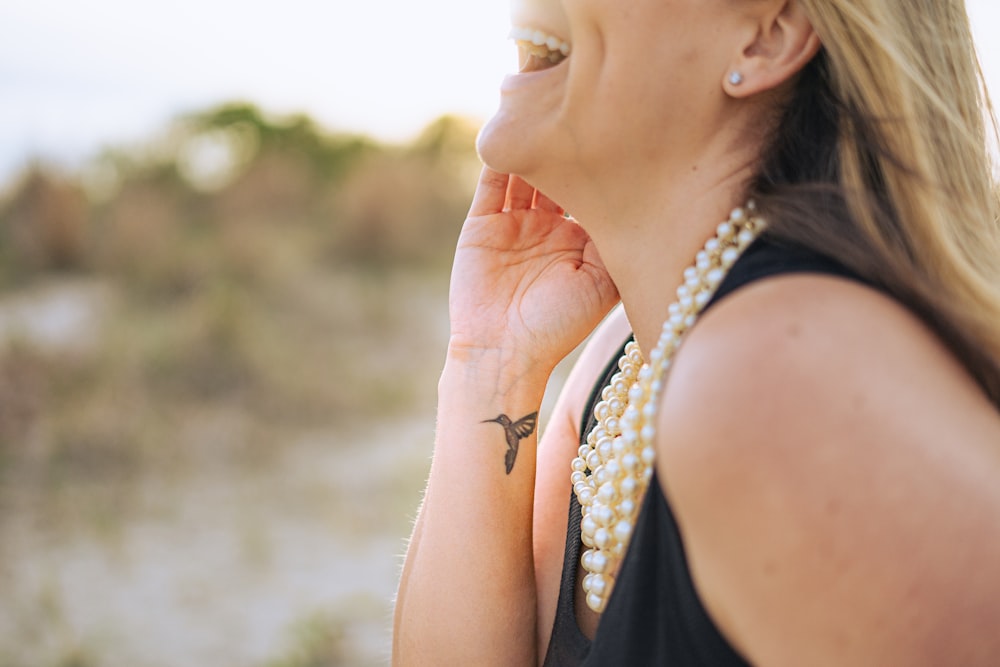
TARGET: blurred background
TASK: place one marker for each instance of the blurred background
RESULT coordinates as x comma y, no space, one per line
225,234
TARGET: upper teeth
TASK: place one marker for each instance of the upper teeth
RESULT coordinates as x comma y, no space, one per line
539,38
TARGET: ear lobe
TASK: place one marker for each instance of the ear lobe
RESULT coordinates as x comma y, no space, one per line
783,44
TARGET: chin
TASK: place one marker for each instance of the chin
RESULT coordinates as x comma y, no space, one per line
511,144
502,147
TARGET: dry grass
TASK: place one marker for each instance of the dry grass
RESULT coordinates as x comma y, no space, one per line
306,290
254,332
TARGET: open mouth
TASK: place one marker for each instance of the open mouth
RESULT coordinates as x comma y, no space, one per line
537,50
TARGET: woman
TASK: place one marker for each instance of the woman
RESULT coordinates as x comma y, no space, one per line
813,477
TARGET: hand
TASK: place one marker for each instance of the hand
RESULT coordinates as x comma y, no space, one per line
527,281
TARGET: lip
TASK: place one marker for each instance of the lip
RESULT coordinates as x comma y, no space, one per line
538,49
515,82
539,36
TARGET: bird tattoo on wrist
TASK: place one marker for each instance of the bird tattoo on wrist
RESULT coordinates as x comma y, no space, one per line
514,431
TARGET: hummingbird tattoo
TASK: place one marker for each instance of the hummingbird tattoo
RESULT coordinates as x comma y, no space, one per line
515,432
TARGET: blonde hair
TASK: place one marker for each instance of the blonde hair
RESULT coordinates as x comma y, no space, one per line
882,161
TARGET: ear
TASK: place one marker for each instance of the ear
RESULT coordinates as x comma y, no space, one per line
782,43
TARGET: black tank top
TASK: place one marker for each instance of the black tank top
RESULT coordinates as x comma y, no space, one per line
654,616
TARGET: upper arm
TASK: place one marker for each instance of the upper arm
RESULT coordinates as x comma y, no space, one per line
836,476
558,446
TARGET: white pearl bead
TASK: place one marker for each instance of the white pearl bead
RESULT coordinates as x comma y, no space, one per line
586,497
601,476
588,526
599,584
588,581
598,563
629,486
605,448
603,515
619,446
630,462
602,538
614,469
596,603
648,455
577,478
593,460
745,237
630,417
623,531
648,433
578,487
736,216
725,231
579,465
712,245
607,493
626,507
587,560
729,256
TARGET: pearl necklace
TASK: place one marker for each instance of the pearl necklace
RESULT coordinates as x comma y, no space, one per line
619,451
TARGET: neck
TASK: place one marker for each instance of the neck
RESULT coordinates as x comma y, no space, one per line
647,243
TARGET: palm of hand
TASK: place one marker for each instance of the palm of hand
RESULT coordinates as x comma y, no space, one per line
525,279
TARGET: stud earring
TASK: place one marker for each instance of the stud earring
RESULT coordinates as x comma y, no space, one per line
735,78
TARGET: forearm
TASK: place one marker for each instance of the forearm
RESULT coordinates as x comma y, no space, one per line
467,593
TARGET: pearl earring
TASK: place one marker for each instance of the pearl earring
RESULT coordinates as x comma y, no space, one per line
735,78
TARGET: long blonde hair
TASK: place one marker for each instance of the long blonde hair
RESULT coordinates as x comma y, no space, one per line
882,161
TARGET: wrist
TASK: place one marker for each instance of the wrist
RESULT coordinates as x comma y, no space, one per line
498,371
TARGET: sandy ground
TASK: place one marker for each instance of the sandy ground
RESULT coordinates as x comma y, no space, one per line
226,565
234,558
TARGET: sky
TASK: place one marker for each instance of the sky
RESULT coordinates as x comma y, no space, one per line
76,76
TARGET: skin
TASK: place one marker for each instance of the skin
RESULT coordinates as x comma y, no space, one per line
840,509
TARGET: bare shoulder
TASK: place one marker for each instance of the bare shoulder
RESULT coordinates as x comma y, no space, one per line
836,476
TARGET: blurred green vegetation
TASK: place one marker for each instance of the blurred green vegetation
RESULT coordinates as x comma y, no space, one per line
253,271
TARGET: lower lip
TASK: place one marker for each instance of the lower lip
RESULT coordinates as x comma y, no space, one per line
514,82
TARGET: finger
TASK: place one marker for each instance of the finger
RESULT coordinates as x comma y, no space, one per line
490,193
519,193
544,203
